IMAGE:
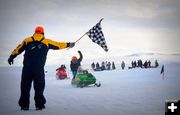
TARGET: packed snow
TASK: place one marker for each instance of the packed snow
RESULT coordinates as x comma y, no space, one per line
123,92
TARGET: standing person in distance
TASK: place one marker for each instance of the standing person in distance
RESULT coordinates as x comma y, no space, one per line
122,65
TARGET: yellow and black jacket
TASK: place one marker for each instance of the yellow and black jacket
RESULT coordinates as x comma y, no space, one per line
36,49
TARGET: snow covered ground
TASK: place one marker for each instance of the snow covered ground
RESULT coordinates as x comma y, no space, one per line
123,92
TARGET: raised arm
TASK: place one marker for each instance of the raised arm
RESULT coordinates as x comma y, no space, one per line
81,56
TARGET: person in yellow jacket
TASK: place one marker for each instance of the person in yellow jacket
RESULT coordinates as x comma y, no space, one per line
36,48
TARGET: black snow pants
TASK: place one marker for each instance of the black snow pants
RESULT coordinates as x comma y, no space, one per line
36,76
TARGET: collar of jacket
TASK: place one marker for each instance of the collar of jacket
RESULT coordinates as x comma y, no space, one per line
38,37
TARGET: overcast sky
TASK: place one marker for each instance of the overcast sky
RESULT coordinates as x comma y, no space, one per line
129,26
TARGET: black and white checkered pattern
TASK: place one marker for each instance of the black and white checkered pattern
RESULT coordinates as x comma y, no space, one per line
97,36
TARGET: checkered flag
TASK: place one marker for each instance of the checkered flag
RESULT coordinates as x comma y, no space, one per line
97,36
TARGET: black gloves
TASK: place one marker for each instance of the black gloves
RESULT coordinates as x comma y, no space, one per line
10,60
71,44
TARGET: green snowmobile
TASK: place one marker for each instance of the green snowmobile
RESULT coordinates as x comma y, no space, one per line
84,79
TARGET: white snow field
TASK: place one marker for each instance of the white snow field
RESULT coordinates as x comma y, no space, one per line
123,92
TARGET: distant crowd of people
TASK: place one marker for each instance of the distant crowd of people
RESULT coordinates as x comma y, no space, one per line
103,66
146,64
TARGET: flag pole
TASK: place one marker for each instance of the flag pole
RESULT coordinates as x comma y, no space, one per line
101,20
80,37
162,72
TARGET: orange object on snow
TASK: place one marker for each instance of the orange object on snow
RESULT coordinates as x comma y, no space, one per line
61,73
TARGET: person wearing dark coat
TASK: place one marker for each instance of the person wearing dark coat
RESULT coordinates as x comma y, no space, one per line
149,64
141,63
156,63
93,66
75,64
135,65
123,65
97,66
109,65
103,66
113,65
132,64
145,64
35,50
